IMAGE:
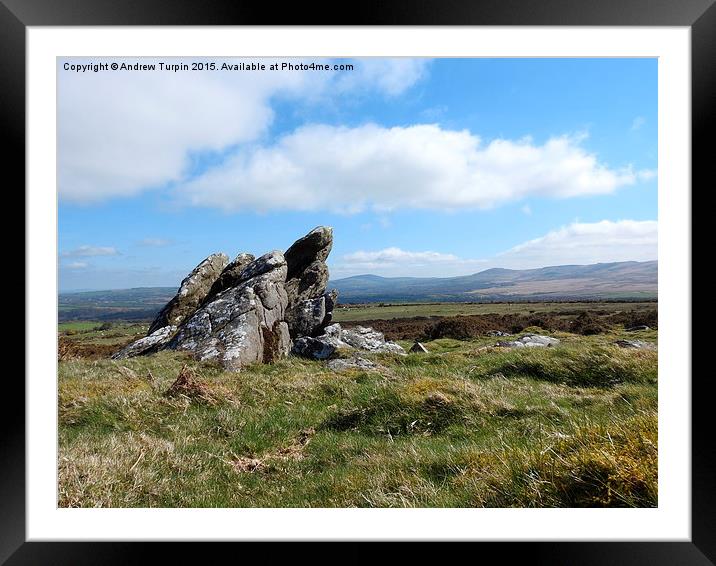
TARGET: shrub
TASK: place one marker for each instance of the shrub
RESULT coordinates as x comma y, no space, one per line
588,324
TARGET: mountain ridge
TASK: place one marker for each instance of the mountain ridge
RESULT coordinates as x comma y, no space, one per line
628,279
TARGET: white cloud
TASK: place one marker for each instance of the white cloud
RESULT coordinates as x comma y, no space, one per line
348,170
77,265
583,243
396,255
90,251
394,261
120,133
391,76
578,243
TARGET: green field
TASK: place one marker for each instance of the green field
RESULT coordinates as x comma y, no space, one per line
388,311
467,425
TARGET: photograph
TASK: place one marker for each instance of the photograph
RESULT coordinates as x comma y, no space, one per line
371,282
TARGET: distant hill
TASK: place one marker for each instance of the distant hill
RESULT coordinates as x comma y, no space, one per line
141,303
622,280
625,280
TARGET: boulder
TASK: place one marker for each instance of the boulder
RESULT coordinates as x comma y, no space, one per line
305,252
309,317
230,276
529,341
368,339
310,308
245,323
317,348
191,293
418,348
336,338
148,344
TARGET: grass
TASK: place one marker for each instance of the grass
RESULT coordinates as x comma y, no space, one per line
465,425
388,311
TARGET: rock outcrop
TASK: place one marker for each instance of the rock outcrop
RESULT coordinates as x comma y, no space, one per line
230,276
530,341
148,344
370,340
336,339
244,323
191,293
310,308
248,310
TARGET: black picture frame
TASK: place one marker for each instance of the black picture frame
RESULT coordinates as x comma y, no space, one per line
17,15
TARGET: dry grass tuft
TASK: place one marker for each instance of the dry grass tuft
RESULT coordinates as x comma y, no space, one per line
188,386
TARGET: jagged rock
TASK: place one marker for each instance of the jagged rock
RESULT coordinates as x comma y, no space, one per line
355,362
230,276
248,310
310,308
243,324
146,345
418,348
368,339
313,247
191,293
334,330
635,344
530,341
317,348
311,316
336,338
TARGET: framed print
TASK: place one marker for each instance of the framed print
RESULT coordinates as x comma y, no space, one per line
381,280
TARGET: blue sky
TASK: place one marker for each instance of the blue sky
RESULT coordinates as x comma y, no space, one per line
423,167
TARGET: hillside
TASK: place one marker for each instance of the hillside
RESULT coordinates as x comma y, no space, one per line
623,280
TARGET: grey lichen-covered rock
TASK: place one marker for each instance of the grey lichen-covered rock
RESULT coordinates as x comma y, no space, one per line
336,338
530,341
310,307
148,344
191,293
230,276
302,257
243,324
318,347
248,310
311,316
368,339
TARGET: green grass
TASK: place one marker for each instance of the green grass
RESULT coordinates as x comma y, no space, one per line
465,425
388,311
77,326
